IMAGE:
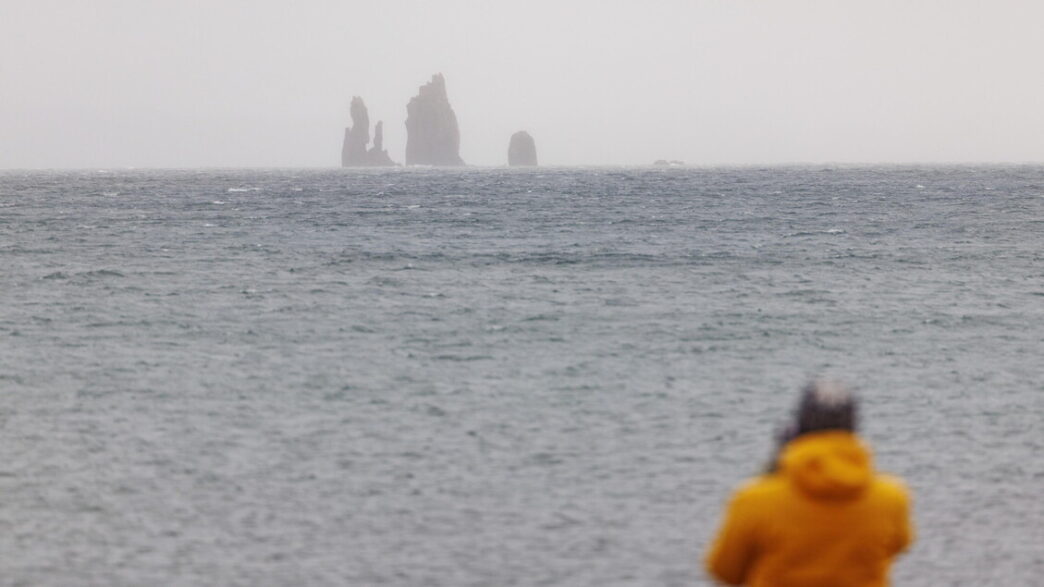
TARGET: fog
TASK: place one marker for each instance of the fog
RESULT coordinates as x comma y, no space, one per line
185,83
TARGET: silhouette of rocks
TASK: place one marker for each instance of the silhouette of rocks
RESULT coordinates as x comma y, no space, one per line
522,150
377,156
432,136
357,137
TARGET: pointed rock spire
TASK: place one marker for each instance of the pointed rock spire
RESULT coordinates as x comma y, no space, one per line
432,135
357,137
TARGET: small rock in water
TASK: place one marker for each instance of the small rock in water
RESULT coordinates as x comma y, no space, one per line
522,150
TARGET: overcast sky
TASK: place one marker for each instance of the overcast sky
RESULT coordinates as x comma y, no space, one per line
180,83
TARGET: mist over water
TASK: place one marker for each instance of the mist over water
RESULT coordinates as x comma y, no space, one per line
190,83
500,377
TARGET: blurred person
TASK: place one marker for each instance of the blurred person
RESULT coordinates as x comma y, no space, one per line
820,515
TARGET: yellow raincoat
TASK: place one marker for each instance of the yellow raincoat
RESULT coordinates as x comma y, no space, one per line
826,519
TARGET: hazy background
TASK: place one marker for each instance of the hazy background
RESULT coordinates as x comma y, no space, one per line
260,83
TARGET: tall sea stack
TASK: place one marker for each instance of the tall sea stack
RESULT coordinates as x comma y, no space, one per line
522,150
432,136
357,137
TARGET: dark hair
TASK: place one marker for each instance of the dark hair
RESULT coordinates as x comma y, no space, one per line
826,405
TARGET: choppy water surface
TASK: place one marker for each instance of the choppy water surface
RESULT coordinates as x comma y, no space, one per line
498,377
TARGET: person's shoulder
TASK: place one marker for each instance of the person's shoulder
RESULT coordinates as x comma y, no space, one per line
759,488
891,487
758,497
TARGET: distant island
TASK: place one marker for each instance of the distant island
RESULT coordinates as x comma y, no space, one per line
356,137
432,134
522,150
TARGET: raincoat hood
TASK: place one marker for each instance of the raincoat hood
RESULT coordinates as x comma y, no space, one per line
825,517
828,465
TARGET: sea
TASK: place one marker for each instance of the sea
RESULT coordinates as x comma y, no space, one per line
502,377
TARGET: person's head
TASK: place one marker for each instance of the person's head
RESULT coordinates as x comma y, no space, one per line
826,405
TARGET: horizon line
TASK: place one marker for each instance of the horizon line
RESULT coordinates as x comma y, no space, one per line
106,168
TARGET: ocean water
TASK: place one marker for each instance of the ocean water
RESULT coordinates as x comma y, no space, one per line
501,377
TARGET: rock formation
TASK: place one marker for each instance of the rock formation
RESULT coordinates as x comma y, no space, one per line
521,150
357,137
432,136
377,156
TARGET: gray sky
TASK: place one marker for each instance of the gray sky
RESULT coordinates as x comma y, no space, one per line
174,83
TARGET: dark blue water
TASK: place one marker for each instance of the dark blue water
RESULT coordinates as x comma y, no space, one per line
500,377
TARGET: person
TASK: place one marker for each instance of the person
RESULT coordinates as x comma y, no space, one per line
820,515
